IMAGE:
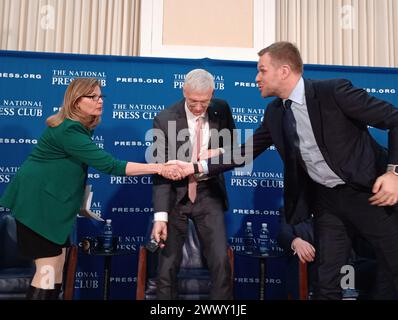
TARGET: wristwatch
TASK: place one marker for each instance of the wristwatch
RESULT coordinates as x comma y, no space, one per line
392,168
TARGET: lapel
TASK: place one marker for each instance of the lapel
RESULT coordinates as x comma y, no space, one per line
181,121
314,112
274,124
213,116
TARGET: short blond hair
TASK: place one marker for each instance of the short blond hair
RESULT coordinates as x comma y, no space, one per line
284,52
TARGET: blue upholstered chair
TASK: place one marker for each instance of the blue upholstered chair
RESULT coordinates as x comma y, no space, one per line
16,271
193,277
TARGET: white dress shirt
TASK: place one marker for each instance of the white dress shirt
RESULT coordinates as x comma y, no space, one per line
317,168
191,119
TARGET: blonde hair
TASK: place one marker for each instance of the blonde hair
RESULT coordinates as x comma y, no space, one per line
78,88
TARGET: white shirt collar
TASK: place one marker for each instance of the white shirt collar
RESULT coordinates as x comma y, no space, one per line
298,93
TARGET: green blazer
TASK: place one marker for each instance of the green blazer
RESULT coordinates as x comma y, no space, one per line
47,191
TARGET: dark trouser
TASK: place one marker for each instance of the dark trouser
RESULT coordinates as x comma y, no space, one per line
207,213
34,293
338,211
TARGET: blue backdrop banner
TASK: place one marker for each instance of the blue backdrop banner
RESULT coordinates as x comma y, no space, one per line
32,86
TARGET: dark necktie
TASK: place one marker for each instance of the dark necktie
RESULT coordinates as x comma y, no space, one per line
290,136
292,151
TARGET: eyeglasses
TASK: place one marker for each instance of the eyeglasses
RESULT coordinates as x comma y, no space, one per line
203,104
95,97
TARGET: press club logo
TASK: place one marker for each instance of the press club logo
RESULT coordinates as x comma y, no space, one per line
7,173
63,77
243,114
245,84
18,75
14,140
178,81
133,180
139,80
136,111
87,280
131,242
99,141
132,210
255,212
21,108
263,179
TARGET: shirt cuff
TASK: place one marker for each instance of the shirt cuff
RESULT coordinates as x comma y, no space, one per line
161,216
203,163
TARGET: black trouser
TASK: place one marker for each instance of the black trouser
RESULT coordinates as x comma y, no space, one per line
207,213
338,211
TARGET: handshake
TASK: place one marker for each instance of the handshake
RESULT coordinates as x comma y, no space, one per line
176,169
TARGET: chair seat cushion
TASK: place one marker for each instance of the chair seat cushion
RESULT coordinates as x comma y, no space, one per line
13,296
192,284
15,280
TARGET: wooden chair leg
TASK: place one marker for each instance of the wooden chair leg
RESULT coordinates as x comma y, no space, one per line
231,258
69,275
141,274
303,281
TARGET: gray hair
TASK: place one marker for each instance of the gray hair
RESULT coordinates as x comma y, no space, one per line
199,80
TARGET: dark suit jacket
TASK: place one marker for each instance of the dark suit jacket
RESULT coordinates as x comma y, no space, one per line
362,257
339,115
167,193
288,232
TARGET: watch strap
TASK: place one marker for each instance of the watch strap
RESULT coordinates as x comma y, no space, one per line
392,168
195,168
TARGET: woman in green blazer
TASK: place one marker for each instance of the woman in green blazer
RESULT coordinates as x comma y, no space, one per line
46,193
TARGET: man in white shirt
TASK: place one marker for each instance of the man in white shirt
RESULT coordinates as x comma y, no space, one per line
333,167
189,130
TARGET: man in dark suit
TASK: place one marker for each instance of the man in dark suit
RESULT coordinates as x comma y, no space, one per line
297,242
297,238
370,283
333,166
188,130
